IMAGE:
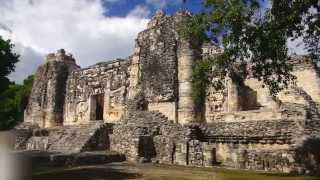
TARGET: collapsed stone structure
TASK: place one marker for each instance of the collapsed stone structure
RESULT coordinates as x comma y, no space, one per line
142,107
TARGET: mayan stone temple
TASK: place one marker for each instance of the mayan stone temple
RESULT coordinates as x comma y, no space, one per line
142,107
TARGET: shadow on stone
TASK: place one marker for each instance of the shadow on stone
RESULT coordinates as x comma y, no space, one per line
309,155
88,174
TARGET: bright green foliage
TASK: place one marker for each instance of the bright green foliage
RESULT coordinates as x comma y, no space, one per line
301,19
202,74
201,78
14,101
7,63
255,37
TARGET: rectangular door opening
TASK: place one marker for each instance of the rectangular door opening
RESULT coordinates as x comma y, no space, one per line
97,107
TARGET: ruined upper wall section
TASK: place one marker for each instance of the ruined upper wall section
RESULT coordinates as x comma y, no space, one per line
164,61
158,58
106,82
60,56
47,98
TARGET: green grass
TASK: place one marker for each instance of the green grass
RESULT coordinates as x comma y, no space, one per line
121,171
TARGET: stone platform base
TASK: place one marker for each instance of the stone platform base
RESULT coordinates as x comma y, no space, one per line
74,159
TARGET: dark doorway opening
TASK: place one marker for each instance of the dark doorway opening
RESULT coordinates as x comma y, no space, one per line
173,153
97,106
214,157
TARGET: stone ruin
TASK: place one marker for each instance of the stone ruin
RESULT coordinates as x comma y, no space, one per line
142,107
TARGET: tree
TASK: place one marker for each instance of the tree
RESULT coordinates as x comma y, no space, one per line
8,59
254,37
301,19
14,101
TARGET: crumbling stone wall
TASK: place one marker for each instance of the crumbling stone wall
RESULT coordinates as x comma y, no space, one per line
148,136
253,96
164,61
23,132
109,80
158,59
45,106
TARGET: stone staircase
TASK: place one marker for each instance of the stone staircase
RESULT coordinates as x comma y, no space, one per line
23,132
67,139
313,107
152,122
72,138
144,118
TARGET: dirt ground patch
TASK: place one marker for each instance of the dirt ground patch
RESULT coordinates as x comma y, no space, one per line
124,170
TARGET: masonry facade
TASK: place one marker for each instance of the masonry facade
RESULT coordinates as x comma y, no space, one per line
142,107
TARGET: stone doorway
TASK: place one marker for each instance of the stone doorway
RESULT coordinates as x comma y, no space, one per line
97,107
213,156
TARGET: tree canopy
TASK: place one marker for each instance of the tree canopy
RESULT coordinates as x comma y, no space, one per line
8,59
13,97
254,35
14,101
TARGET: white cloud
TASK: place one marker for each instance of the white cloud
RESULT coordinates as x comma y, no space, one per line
38,27
140,11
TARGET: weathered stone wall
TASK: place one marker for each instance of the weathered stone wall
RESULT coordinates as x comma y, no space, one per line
263,99
282,145
163,62
306,90
169,109
148,136
23,132
47,98
109,80
158,59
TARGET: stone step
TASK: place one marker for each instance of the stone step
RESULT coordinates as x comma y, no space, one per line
72,138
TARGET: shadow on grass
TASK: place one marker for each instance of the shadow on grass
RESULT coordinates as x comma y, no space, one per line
86,174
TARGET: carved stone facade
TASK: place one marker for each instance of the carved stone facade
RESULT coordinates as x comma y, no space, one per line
142,107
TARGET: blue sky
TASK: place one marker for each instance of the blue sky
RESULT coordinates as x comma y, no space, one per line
122,7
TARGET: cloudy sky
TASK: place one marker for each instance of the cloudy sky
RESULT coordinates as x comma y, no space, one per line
92,30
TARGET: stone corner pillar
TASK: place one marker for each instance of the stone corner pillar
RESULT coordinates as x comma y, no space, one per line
233,102
47,98
186,106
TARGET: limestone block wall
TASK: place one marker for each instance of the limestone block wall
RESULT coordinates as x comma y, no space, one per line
103,83
307,76
169,109
242,116
153,71
45,106
158,59
254,96
307,88
162,68
263,98
129,140
264,131
239,155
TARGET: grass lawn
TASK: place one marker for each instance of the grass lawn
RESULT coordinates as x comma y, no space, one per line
124,170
